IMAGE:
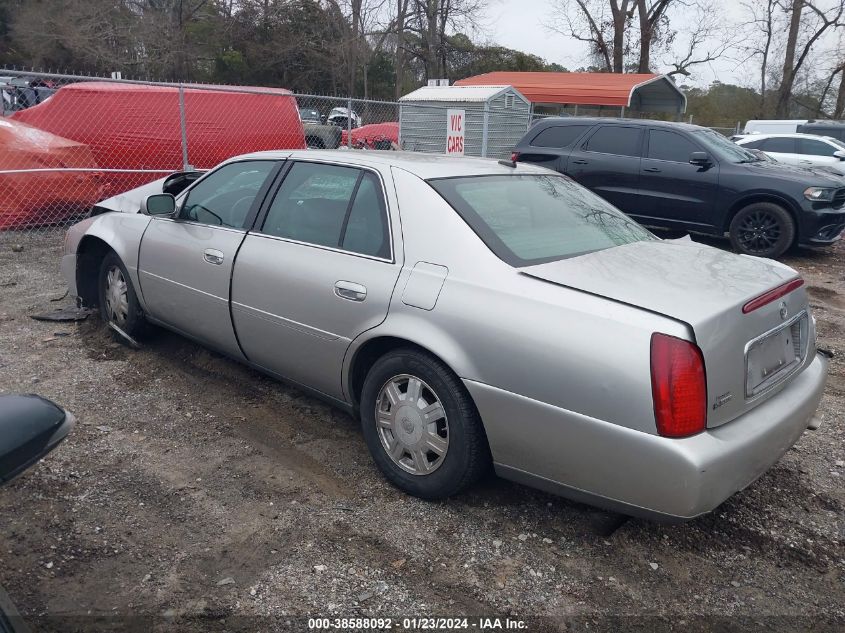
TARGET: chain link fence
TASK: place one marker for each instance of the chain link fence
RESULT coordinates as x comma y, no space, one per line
68,141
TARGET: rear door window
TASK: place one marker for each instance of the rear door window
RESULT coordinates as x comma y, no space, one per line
779,145
333,206
670,146
812,147
559,136
615,139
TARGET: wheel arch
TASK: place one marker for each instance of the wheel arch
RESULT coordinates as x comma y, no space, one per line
89,257
116,232
762,196
367,351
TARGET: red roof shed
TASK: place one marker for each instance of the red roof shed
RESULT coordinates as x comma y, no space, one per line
655,93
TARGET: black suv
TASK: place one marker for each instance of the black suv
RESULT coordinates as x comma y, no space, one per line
679,176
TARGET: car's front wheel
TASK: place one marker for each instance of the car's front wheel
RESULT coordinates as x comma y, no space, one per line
764,229
118,301
421,425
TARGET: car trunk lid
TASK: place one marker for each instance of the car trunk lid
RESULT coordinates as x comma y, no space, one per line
705,288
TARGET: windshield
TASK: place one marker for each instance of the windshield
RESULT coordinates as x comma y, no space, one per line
723,148
836,141
531,219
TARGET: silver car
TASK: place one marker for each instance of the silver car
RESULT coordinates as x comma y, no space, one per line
474,313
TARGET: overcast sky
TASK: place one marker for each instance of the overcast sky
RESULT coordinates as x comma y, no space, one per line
520,24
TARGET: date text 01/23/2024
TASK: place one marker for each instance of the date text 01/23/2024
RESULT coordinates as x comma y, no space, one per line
418,624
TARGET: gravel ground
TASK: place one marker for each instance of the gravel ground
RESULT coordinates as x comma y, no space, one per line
200,495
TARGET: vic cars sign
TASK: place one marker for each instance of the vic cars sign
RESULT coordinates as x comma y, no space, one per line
455,132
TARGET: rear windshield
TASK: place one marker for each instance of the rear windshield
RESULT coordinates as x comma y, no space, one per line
531,219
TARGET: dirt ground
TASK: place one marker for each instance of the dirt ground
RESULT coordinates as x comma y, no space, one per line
196,494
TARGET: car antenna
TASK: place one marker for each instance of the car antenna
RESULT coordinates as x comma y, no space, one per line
508,163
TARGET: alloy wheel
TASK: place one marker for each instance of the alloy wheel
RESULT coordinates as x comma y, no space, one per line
759,232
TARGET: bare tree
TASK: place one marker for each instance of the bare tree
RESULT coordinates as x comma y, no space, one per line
602,24
761,38
429,22
707,40
819,21
651,14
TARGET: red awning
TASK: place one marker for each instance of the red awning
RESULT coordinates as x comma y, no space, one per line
636,91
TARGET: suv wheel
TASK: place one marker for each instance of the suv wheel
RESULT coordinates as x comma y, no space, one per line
763,229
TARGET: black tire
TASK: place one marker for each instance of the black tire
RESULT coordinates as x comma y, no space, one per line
133,323
763,229
467,456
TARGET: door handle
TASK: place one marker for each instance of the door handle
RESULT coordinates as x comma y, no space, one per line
806,162
213,256
350,291
580,162
653,170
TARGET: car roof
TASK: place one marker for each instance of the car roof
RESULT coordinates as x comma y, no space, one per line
785,135
422,164
592,120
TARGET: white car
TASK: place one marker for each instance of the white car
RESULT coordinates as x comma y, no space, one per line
801,150
773,126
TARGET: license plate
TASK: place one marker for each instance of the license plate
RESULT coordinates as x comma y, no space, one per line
772,357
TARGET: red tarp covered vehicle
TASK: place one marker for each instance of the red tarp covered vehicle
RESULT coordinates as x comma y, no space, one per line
137,127
374,136
29,199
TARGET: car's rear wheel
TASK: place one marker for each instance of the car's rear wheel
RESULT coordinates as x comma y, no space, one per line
764,229
118,301
421,425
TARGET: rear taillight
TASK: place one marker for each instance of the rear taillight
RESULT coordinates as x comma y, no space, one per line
678,386
514,156
772,295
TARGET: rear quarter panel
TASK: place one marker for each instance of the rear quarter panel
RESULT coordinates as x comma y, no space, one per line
493,325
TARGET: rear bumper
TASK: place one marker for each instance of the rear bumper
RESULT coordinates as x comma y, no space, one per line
638,473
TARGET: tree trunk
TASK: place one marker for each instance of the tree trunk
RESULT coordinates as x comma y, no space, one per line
646,32
764,63
399,62
788,80
839,110
618,36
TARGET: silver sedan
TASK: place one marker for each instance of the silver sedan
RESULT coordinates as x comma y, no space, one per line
473,314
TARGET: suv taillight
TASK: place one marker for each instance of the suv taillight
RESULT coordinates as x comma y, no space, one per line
514,156
678,386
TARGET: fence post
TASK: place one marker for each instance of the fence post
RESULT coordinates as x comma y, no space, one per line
184,128
484,130
349,125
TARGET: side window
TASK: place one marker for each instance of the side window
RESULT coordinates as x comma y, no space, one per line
559,136
779,144
758,144
671,146
812,147
328,205
224,197
366,227
615,139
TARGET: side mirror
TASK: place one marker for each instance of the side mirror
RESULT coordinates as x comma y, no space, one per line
160,204
30,427
840,154
699,158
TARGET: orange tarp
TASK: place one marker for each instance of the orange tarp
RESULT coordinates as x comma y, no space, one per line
29,199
